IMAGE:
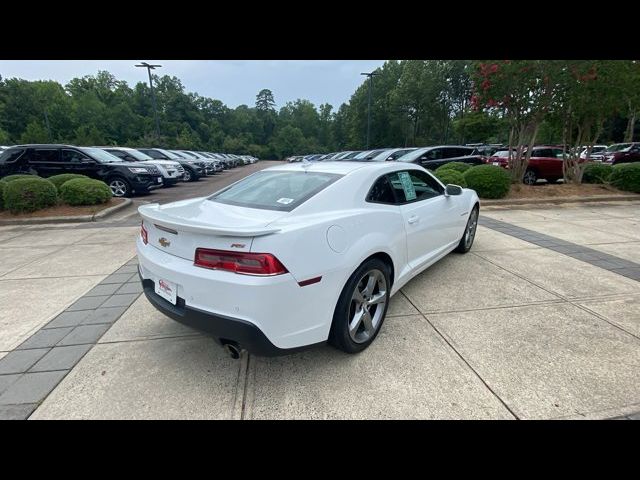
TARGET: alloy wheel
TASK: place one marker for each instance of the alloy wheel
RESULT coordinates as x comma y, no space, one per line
530,177
470,234
118,188
367,306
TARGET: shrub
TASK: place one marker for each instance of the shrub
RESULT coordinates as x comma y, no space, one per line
24,195
84,191
11,178
454,177
2,184
457,166
489,181
626,176
59,180
597,173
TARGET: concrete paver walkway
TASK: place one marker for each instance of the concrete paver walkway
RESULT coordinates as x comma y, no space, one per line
511,330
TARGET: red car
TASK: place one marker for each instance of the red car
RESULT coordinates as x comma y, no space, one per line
545,163
621,153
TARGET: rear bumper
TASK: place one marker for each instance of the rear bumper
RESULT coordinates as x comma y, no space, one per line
223,329
265,315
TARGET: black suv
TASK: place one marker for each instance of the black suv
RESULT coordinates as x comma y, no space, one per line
123,178
193,169
434,157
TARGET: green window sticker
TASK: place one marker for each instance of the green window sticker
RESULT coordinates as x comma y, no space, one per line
407,186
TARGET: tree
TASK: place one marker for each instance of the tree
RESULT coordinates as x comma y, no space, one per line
523,92
35,133
582,119
289,141
630,78
265,101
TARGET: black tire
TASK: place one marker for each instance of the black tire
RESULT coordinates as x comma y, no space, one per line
466,242
190,175
120,187
339,336
530,177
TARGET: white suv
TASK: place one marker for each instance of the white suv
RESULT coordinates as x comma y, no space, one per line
172,172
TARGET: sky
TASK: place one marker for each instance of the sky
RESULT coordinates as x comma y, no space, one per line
234,82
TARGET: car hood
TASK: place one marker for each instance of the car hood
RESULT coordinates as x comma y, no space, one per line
167,163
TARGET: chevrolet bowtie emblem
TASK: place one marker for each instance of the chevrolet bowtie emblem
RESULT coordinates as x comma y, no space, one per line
164,242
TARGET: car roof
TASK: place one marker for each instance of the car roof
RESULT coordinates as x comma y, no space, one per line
342,167
47,145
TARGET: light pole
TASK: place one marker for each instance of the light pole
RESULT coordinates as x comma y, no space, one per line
370,75
153,95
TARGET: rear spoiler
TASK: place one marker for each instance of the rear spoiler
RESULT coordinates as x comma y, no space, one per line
150,213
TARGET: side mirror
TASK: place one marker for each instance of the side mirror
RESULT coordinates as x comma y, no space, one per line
453,190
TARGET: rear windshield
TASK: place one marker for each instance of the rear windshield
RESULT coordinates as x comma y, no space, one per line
275,190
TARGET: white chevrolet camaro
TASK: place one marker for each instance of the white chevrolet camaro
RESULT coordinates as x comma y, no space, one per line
300,254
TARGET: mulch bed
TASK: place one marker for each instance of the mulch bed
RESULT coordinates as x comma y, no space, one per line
547,191
63,210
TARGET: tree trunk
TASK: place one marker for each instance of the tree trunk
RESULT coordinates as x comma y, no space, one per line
631,125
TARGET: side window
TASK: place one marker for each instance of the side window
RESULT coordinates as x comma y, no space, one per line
382,192
558,153
414,186
541,152
463,152
69,156
434,154
425,185
42,155
451,152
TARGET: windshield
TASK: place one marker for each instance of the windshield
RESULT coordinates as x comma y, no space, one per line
501,153
275,190
411,156
143,157
618,147
169,154
400,153
100,155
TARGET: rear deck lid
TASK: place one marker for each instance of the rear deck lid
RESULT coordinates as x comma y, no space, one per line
181,227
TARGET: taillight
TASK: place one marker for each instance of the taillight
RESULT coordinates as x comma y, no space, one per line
144,234
239,262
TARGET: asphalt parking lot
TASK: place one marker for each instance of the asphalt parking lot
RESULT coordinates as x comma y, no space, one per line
541,320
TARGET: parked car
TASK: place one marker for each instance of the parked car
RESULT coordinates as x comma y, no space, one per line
211,166
392,154
46,160
621,153
319,251
348,156
434,157
341,155
595,150
223,164
193,169
545,163
172,172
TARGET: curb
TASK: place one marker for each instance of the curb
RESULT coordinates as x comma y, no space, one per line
556,200
71,219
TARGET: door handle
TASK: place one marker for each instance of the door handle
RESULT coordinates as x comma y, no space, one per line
413,219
